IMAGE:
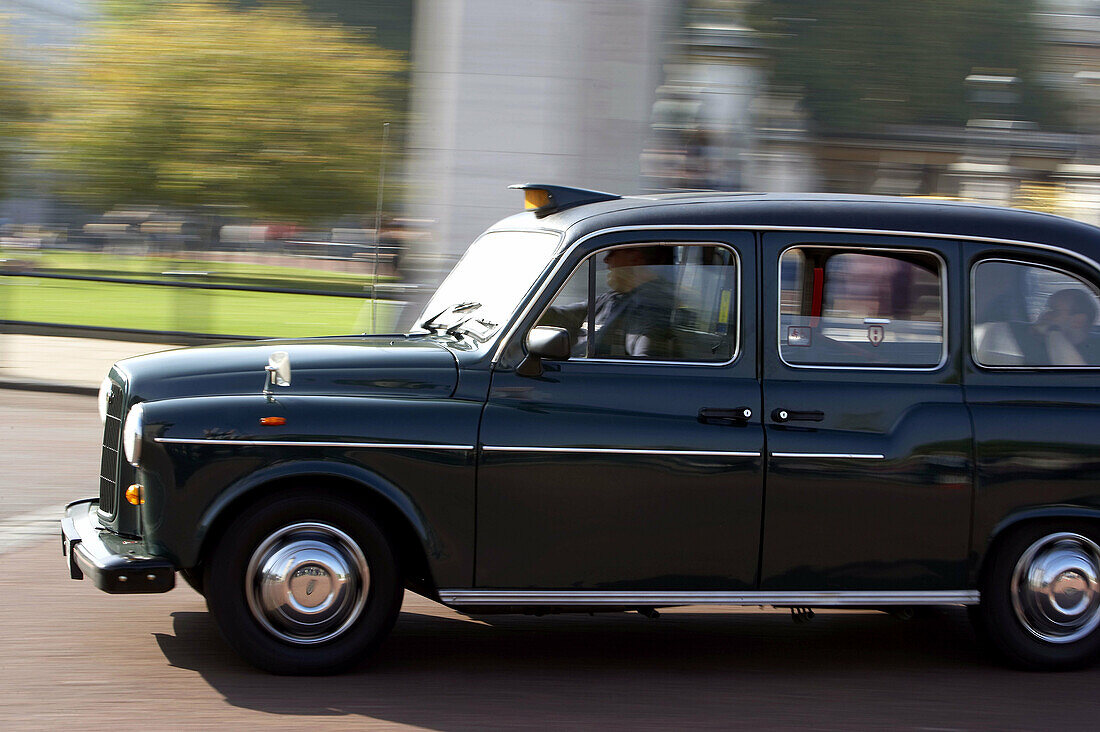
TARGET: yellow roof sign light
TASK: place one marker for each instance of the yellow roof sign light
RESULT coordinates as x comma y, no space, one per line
535,198
545,199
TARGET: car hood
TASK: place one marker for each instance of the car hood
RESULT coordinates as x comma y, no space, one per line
366,366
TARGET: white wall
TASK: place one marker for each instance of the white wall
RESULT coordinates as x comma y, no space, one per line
514,91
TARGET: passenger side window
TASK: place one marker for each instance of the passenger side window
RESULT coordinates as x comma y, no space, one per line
656,302
1034,316
840,307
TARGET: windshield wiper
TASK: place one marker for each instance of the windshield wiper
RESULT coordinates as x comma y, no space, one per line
463,328
427,324
457,330
462,307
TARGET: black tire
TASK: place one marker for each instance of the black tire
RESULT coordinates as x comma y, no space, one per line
193,577
304,541
1040,597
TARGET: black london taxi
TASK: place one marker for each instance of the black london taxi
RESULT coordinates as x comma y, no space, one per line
634,402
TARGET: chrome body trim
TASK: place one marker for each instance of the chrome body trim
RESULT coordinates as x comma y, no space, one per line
847,230
617,451
294,443
584,598
847,455
562,256
856,367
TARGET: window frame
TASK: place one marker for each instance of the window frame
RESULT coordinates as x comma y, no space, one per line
972,303
735,316
874,250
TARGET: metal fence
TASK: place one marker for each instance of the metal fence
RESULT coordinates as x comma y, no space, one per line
187,309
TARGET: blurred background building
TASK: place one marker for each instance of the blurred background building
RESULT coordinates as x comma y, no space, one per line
511,92
726,119
633,95
284,164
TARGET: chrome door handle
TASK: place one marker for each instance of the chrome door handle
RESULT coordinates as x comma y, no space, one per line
723,415
788,415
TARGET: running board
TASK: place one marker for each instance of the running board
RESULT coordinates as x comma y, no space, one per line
650,599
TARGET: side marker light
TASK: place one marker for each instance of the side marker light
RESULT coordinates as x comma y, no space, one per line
272,421
135,494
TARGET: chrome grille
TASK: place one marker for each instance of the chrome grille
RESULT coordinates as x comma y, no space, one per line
112,447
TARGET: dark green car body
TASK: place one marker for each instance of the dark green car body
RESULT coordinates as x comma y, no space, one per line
603,482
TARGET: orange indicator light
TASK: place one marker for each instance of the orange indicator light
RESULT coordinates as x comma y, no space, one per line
535,198
272,421
135,494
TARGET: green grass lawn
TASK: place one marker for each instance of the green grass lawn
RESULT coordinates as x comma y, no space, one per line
148,307
224,312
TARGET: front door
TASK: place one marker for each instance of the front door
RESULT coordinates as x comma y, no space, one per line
636,463
869,470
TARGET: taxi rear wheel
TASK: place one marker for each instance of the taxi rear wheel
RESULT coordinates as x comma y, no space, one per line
1040,603
304,585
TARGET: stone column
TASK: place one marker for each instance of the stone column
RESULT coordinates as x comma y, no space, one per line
547,91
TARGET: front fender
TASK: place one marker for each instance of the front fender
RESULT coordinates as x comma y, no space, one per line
203,457
368,482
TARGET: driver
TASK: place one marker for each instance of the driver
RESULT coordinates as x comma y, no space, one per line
633,317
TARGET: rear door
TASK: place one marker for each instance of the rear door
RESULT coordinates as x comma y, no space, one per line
868,440
1032,382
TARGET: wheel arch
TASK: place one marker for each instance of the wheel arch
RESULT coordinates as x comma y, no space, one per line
1017,520
395,512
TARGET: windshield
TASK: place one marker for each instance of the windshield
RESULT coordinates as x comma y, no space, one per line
488,283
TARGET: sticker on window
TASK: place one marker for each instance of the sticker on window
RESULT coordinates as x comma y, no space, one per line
799,335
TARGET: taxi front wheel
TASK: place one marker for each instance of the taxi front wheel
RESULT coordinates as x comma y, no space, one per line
303,585
1040,598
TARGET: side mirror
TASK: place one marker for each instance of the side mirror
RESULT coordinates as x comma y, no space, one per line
547,342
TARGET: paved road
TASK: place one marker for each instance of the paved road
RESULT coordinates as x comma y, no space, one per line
50,448
73,657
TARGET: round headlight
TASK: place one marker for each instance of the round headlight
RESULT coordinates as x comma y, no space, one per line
131,434
104,396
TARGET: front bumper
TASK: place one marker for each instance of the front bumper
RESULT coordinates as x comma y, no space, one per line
114,563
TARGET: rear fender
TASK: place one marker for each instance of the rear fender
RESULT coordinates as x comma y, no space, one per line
1018,518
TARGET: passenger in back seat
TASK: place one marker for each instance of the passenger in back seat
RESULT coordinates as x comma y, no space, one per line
1066,328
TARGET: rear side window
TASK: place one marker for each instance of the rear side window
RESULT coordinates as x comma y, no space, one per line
1033,316
840,307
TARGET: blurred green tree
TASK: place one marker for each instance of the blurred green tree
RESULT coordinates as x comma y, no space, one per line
390,21
16,107
204,103
861,63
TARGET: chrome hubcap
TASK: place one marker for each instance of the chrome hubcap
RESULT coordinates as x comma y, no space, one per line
1055,588
307,583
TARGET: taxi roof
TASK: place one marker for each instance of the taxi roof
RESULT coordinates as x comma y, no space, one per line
883,214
